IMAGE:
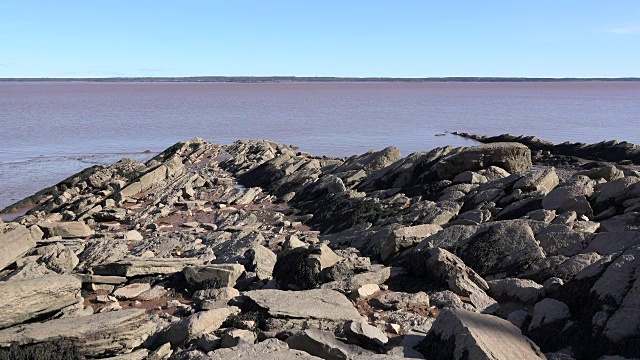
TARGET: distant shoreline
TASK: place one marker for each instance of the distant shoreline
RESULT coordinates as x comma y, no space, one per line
287,79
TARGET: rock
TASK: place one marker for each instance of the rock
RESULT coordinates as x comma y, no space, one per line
518,317
22,300
151,266
405,237
307,304
99,279
526,291
68,230
364,334
195,325
449,269
445,298
506,246
36,233
58,257
216,275
234,337
131,291
261,261
154,293
512,157
461,334
469,177
13,244
549,311
364,291
324,345
608,173
377,276
300,268
215,298
270,349
292,242
543,181
162,353
133,235
400,300
103,334
571,197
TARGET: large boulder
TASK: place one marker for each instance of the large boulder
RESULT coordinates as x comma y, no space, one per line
22,300
461,334
103,334
13,244
507,247
513,157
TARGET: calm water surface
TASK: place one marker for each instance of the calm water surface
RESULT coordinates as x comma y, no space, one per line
49,131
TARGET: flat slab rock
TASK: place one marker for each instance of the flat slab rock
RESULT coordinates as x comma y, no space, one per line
270,349
315,304
461,334
13,244
131,268
96,335
21,300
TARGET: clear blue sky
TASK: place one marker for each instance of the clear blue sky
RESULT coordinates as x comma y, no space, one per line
554,38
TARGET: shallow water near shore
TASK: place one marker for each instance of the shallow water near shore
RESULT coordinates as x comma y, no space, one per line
52,130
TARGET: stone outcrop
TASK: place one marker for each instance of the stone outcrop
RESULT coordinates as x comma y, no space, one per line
22,300
216,251
96,335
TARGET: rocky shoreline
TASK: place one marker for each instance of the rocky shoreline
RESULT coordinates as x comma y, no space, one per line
517,248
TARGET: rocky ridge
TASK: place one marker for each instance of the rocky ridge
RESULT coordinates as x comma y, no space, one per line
255,249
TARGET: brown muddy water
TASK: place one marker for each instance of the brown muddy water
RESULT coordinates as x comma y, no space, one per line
51,130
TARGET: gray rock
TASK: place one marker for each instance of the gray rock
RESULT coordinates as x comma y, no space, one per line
376,276
22,300
571,197
506,246
215,298
236,336
543,181
608,173
261,261
131,291
405,237
461,334
445,298
270,349
513,157
103,334
307,304
151,266
194,326
364,334
324,345
526,291
218,275
549,311
400,300
13,244
58,257
68,230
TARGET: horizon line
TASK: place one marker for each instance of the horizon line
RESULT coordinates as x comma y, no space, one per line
285,78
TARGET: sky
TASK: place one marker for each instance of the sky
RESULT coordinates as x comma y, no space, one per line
510,38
